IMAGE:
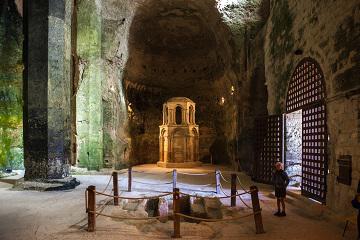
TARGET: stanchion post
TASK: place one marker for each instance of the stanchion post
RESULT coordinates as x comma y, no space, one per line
116,188
256,209
233,189
217,181
176,207
91,208
174,176
129,178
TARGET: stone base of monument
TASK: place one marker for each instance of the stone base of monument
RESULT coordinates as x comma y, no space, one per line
178,165
48,184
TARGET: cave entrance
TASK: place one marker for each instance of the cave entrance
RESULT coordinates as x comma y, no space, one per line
293,147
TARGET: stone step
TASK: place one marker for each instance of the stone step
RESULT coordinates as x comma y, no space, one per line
207,208
213,208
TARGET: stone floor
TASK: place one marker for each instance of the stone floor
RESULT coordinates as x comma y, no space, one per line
61,215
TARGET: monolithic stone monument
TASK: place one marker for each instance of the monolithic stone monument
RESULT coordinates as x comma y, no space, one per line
179,135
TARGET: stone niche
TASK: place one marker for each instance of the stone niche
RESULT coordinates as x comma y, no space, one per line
179,135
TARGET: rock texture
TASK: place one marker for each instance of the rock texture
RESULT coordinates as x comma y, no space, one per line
11,101
147,52
47,89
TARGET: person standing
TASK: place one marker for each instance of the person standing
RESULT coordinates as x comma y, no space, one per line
280,180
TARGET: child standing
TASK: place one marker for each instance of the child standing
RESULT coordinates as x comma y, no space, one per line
280,180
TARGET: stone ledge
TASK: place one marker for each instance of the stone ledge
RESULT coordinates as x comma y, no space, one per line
178,165
47,184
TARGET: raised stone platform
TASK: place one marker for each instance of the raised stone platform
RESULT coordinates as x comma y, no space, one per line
178,165
48,184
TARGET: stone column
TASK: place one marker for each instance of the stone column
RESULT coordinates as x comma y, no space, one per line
89,112
183,115
47,54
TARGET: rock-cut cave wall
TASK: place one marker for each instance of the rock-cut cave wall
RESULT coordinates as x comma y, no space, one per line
328,32
181,48
121,77
133,56
128,58
101,109
11,101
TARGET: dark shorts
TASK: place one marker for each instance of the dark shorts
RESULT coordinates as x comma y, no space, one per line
280,192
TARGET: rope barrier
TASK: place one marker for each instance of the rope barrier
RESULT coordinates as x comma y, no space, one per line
197,196
239,195
107,185
241,186
238,179
198,185
94,210
127,218
242,200
230,196
106,201
153,183
202,191
223,178
194,174
216,220
103,206
134,171
221,188
134,198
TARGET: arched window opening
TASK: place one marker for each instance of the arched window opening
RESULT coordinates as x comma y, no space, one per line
191,115
178,115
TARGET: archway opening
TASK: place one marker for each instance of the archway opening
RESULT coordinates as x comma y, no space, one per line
178,115
293,147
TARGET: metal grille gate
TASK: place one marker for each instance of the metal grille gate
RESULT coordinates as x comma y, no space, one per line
314,157
307,92
268,146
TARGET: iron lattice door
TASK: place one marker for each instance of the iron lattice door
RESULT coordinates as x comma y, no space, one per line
314,156
307,92
268,146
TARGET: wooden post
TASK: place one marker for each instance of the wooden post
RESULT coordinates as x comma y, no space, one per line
91,208
217,181
176,208
129,178
233,189
174,175
116,188
256,209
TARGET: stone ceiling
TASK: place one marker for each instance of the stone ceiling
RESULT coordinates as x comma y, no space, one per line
176,44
